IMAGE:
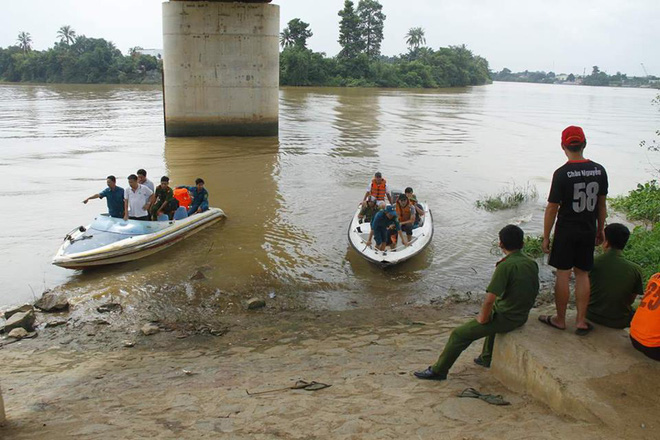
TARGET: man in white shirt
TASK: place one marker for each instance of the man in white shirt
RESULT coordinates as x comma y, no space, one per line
142,180
136,200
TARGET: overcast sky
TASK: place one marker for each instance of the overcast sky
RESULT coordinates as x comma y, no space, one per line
560,35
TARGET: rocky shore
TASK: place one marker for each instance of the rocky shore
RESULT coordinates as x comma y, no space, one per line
116,374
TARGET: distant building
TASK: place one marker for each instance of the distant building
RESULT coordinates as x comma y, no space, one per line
158,53
561,77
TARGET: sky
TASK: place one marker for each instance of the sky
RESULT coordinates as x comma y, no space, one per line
563,36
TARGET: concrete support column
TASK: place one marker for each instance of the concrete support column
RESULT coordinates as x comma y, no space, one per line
221,68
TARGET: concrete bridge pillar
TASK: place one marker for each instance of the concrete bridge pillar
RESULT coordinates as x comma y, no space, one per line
221,68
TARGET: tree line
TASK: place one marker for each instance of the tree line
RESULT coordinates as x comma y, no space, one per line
596,78
360,63
77,59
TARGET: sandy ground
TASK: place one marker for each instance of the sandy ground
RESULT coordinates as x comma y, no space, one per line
84,383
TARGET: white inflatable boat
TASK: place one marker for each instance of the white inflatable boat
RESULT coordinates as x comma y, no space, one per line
111,240
358,234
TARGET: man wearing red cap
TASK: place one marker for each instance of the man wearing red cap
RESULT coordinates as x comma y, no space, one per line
577,202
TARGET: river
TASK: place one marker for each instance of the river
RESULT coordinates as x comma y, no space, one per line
289,200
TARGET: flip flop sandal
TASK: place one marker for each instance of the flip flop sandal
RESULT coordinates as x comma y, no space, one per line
584,331
488,398
547,320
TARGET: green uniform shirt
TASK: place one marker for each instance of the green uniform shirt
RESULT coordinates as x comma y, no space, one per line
614,283
369,212
516,285
163,195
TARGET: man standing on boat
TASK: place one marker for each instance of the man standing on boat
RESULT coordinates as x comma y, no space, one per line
136,200
199,195
142,180
114,196
378,189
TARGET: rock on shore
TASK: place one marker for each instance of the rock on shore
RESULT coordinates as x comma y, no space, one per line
52,302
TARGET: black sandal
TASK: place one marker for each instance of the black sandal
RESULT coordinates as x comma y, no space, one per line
547,320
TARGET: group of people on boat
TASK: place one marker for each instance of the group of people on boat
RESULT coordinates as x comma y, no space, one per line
390,221
141,200
606,287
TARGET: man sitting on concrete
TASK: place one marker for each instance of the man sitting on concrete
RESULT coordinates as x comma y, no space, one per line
645,325
615,281
510,295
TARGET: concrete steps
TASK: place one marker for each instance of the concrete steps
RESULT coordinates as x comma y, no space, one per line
595,378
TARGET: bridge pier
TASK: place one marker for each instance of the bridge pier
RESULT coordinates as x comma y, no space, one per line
221,68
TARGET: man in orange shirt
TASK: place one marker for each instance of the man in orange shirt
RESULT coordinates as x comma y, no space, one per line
645,325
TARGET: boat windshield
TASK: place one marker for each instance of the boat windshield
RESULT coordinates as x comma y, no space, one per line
120,226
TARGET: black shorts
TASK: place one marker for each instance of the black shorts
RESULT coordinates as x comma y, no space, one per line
572,248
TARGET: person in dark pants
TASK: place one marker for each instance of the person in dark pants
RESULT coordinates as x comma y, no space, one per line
199,195
162,200
368,210
577,201
406,214
509,298
382,224
645,325
136,200
615,281
114,196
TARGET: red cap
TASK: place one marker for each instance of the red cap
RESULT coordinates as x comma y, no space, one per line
572,136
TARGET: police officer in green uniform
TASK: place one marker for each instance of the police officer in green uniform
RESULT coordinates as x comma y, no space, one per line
615,281
509,298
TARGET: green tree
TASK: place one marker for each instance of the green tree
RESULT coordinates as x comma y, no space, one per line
372,22
66,35
25,41
415,38
349,32
295,34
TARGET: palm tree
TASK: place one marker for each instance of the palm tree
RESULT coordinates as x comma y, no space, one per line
286,39
67,35
25,41
415,38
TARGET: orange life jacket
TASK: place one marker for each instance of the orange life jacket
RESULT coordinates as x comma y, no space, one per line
645,325
183,196
379,191
404,213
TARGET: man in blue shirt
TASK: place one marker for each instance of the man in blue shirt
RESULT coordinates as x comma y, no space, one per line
114,196
199,195
383,222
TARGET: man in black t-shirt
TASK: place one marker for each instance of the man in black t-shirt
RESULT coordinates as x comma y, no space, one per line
577,201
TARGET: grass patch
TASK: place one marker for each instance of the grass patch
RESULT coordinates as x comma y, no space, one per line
508,198
642,203
643,248
533,246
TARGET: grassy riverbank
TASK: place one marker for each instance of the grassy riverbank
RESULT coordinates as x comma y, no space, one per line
642,205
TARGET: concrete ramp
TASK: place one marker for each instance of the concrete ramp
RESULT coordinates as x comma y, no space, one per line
595,378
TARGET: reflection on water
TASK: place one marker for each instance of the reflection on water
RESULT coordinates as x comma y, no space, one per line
289,200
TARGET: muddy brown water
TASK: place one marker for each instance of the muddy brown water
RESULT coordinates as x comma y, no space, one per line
289,199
